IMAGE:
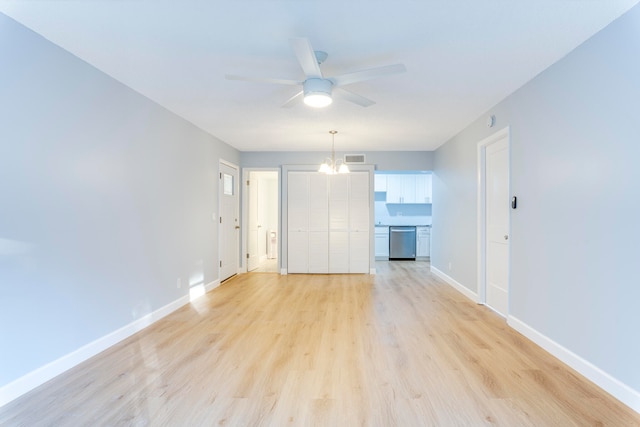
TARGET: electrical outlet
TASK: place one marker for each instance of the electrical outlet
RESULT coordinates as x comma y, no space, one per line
449,265
179,284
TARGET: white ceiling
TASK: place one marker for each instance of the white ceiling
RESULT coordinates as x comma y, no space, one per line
462,57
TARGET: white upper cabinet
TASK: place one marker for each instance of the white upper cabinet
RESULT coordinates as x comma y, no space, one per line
380,182
395,190
401,189
409,188
423,188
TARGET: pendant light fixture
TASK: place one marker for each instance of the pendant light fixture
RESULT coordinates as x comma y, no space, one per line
331,166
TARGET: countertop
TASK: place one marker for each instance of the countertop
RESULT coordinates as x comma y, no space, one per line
403,225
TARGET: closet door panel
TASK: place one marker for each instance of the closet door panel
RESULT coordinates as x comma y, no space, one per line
298,252
318,252
338,252
318,202
339,202
359,252
298,201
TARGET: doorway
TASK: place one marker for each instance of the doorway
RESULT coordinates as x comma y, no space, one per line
494,221
229,225
261,221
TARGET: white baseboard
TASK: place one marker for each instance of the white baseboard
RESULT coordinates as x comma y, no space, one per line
611,385
211,285
39,376
459,287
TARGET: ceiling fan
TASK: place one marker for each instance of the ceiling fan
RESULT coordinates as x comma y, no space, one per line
317,90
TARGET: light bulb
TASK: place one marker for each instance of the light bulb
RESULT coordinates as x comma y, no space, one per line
317,100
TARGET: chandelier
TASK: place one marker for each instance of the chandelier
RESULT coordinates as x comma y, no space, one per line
331,166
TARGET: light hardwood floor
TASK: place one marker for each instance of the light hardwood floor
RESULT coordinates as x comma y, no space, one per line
397,349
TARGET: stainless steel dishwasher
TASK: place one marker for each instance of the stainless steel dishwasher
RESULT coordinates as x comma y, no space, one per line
402,242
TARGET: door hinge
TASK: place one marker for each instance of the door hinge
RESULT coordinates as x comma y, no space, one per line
247,182
220,220
220,263
247,256
220,175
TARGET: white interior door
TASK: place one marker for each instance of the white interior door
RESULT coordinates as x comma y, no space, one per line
229,230
497,225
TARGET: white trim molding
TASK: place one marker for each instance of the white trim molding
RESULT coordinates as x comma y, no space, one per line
39,376
608,383
481,194
212,285
455,284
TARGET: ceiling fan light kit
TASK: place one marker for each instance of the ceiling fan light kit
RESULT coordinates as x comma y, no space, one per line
317,92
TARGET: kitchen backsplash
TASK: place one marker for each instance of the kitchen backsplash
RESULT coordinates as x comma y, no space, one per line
397,214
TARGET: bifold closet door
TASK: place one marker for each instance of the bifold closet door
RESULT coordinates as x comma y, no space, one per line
339,223
318,245
328,222
298,222
359,214
308,223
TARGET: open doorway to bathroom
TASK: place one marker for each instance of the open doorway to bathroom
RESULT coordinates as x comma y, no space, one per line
262,218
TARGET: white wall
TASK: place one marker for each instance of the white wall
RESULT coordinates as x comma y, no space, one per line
106,200
383,160
575,145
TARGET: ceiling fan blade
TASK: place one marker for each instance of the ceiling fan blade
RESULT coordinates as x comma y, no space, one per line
306,57
293,100
263,80
372,73
342,93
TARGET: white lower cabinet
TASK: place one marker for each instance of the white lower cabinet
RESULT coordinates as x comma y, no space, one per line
328,222
423,241
382,242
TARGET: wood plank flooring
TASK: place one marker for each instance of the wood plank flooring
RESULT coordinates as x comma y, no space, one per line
397,349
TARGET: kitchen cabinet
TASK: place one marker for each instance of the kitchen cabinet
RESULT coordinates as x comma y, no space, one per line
405,188
423,188
423,242
328,222
382,242
380,182
401,189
